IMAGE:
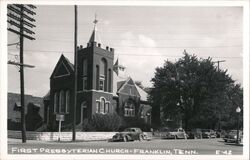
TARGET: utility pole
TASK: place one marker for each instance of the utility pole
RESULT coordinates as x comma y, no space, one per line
75,79
218,64
218,67
18,17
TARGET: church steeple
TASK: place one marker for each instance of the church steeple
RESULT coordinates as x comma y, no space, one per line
94,36
119,69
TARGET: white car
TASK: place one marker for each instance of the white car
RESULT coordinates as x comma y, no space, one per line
173,133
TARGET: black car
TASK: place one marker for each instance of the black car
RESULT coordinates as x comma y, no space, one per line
195,134
231,136
129,134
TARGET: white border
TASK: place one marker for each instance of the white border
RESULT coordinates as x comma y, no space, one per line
3,75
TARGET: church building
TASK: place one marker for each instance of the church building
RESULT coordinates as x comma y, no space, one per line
102,88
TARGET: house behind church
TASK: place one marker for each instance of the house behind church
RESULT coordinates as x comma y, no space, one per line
34,112
102,88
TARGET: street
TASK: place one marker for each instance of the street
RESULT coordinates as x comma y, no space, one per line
155,146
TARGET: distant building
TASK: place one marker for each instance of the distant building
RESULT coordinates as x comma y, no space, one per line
34,112
103,88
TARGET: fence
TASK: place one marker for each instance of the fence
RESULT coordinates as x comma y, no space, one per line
65,136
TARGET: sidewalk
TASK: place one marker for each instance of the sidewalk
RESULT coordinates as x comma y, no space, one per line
15,141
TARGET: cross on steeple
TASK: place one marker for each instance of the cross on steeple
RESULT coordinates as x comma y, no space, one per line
95,21
94,37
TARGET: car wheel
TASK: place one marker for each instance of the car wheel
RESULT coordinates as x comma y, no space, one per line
141,137
125,138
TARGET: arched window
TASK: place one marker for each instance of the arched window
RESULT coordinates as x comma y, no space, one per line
85,83
129,109
48,115
55,102
62,102
103,67
84,73
102,105
84,67
109,81
97,107
67,101
97,77
103,75
106,109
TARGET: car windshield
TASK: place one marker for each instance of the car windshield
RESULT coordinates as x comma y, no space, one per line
173,130
129,130
205,130
233,132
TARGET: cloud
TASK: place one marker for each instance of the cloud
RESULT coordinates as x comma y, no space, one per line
132,53
106,22
144,40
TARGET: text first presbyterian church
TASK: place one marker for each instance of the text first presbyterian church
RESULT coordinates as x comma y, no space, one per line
102,88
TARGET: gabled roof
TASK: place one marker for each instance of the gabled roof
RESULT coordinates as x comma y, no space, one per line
123,85
63,61
70,64
142,93
119,83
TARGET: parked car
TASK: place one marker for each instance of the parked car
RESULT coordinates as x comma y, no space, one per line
231,136
173,133
130,134
195,134
220,133
208,133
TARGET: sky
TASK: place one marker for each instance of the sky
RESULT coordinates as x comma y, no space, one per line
143,38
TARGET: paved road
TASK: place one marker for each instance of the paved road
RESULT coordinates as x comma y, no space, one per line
155,146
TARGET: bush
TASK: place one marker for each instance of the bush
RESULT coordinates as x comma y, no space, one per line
135,122
103,122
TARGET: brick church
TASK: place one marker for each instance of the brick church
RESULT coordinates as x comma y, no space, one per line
102,87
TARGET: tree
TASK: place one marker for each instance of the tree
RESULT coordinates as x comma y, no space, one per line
192,92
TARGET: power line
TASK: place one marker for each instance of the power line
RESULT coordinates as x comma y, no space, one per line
145,47
160,55
162,39
181,46
131,54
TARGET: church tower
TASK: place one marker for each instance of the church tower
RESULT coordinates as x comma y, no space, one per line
120,70
95,78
